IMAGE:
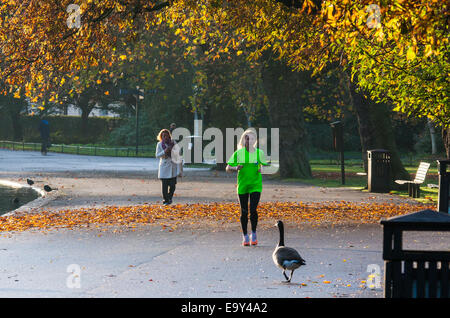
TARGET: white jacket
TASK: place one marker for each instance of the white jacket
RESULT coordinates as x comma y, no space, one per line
169,167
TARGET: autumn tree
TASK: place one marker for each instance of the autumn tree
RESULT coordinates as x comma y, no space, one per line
400,59
13,107
400,54
306,36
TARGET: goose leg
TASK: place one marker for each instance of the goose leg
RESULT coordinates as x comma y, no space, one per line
284,273
292,273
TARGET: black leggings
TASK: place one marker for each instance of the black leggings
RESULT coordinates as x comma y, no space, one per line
168,188
44,145
254,200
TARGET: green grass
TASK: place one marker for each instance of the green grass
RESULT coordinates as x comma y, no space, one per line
427,195
336,168
357,183
90,149
198,165
329,175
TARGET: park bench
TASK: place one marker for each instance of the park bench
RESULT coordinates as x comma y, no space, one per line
414,186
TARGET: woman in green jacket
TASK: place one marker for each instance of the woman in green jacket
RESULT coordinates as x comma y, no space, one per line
248,161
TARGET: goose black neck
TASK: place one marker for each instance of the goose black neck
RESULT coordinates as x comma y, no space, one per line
281,229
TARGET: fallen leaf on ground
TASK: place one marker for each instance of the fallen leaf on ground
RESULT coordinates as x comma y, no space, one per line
315,214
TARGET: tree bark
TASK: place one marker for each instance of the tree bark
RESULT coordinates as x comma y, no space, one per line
376,131
283,88
446,139
16,125
432,136
86,105
85,111
14,107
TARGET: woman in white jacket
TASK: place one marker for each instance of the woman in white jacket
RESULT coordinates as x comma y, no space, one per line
169,167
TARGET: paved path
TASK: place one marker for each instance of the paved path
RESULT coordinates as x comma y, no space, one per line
201,261
194,262
98,181
32,161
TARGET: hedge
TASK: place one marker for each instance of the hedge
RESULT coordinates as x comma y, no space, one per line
63,129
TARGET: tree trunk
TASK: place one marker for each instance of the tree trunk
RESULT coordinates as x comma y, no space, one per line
365,128
376,132
85,111
16,125
85,104
283,88
432,136
14,107
446,139
86,107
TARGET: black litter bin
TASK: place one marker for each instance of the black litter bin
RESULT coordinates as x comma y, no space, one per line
378,170
413,273
444,186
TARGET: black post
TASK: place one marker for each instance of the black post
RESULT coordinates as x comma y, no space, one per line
137,125
338,145
444,186
137,93
342,167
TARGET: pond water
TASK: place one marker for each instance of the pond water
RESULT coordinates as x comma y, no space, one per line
12,198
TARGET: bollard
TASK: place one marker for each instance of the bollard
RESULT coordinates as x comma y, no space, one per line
444,186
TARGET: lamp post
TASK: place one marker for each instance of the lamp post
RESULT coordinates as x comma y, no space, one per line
338,145
138,94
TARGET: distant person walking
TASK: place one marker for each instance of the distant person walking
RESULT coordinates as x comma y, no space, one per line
172,127
44,129
248,161
169,164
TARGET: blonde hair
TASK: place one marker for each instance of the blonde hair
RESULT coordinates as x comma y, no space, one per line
249,131
159,137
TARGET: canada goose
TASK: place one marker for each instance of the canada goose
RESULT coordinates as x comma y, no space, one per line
284,257
31,182
48,188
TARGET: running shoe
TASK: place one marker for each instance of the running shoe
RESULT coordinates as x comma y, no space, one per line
254,239
246,240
